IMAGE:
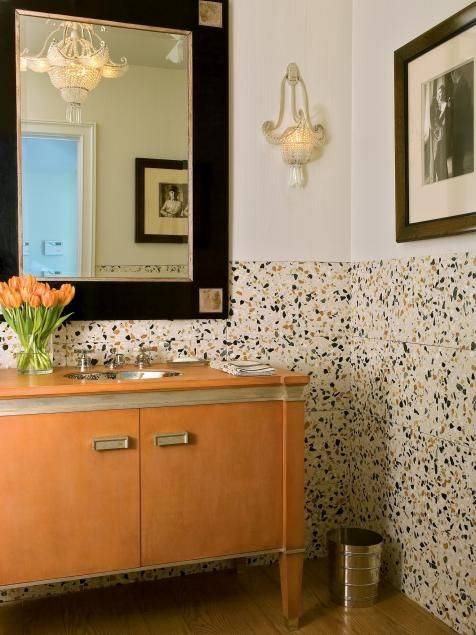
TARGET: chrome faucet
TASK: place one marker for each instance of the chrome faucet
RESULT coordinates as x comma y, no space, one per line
84,360
143,359
115,361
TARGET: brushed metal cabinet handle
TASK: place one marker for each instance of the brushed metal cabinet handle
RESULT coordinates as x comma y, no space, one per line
171,438
103,444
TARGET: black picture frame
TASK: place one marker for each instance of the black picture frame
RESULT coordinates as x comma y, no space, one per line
450,225
113,300
158,164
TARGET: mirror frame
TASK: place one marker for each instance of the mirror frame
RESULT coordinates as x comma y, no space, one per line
139,300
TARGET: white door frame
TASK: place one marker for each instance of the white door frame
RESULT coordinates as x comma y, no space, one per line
85,133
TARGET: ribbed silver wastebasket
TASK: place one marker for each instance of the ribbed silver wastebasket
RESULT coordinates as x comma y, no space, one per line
354,566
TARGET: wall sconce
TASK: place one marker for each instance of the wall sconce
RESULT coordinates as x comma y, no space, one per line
299,141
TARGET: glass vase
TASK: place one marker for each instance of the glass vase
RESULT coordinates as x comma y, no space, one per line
37,359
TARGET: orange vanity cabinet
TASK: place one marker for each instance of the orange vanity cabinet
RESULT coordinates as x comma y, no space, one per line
211,481
105,477
68,509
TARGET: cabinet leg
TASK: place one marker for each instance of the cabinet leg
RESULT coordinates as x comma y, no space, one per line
290,567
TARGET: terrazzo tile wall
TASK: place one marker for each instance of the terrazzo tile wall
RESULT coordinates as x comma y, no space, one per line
296,314
413,425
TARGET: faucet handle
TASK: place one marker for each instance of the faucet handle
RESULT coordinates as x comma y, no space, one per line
84,360
115,360
143,358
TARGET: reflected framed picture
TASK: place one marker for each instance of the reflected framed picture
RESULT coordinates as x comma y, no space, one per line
435,179
162,201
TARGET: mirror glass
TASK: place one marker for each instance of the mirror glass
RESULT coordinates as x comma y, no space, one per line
105,125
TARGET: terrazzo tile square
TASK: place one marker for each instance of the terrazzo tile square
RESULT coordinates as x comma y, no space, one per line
456,397
9,346
456,472
369,298
12,595
294,354
412,481
439,313
369,376
468,331
292,298
325,508
167,350
86,335
412,385
327,449
60,346
100,337
330,377
455,593
159,330
397,280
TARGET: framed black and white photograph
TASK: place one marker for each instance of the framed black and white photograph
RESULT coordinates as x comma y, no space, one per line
435,131
162,201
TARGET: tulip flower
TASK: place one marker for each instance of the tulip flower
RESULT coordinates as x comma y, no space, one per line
66,294
34,310
49,299
34,301
14,283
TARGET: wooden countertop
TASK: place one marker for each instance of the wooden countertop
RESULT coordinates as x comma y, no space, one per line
13,385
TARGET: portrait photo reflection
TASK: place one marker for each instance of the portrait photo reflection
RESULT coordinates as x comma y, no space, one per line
173,200
448,124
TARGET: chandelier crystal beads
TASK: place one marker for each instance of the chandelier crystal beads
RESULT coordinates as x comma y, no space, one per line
76,59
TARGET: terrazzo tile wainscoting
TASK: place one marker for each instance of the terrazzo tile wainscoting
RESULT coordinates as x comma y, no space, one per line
390,434
296,314
413,426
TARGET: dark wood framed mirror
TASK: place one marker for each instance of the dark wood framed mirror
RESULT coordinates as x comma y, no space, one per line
117,275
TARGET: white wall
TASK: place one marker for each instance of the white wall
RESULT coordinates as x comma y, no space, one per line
269,220
380,27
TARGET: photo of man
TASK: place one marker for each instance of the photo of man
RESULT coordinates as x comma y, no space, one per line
448,124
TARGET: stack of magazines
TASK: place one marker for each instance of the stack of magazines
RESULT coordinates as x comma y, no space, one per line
244,369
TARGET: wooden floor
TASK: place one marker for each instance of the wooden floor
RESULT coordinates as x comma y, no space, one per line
225,602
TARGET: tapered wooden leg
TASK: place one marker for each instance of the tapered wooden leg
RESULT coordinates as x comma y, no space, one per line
290,567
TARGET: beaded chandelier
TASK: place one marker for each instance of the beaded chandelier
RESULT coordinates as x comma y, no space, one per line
299,141
76,60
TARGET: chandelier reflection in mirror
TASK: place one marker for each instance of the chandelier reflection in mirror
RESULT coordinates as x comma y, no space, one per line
298,141
76,59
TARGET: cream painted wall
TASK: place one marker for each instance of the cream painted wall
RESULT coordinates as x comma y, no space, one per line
135,117
270,221
380,27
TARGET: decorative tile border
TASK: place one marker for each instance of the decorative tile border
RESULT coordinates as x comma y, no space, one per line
179,270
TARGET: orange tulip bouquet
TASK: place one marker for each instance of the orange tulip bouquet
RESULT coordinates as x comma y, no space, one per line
33,310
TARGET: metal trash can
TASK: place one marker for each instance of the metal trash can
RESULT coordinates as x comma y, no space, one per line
354,566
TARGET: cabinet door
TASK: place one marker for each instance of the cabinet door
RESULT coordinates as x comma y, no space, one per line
67,509
219,494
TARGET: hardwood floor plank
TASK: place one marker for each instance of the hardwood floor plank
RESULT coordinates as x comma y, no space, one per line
215,603
394,613
11,619
107,611
42,617
156,602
